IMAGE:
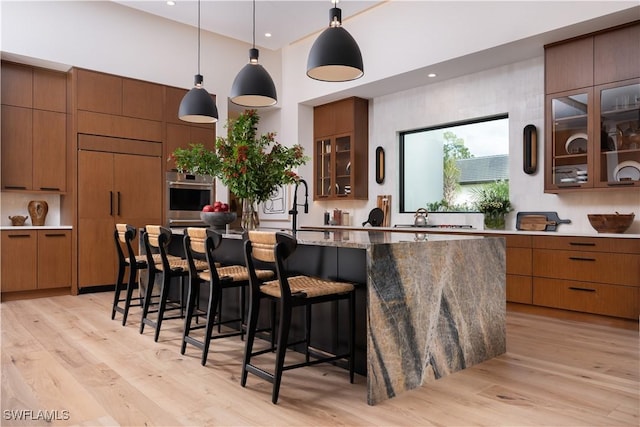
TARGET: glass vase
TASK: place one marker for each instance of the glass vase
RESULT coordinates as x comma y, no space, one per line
250,220
494,220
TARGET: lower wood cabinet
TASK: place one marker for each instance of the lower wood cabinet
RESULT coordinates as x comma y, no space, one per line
590,275
35,259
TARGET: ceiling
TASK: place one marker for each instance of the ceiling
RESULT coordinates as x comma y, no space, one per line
287,21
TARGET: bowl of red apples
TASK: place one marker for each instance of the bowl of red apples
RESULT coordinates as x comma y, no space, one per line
217,215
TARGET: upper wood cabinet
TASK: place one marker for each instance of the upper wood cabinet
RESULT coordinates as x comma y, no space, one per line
34,128
99,92
592,112
341,150
595,59
142,100
616,55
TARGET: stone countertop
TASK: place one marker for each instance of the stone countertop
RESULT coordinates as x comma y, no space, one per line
351,238
469,231
32,227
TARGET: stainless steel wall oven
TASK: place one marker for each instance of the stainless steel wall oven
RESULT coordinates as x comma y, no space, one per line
186,196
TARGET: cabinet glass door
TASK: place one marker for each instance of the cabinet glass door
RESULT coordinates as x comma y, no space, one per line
323,168
343,166
570,142
619,157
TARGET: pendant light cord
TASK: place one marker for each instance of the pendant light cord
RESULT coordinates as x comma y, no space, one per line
198,36
254,24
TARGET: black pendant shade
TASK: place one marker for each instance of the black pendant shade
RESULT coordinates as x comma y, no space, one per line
253,86
335,55
197,106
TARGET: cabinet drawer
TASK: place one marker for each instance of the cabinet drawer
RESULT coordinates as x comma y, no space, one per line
609,300
517,241
619,269
519,261
19,262
519,289
591,244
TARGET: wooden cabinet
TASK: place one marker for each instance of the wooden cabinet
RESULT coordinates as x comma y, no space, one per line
112,188
36,259
341,150
116,106
34,129
592,275
180,134
519,265
592,112
19,260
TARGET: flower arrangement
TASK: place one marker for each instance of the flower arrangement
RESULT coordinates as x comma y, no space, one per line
493,201
493,198
195,160
252,166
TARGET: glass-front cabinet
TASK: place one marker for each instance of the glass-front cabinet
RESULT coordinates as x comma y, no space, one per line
333,167
593,138
618,160
570,152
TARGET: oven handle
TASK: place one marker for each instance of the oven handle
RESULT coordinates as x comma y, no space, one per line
189,184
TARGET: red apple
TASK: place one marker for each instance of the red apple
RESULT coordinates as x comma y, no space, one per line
217,209
208,208
217,204
224,207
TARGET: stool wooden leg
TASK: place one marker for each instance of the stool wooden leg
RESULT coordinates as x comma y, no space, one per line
164,291
214,298
116,295
133,272
254,309
191,304
307,332
352,334
147,299
283,336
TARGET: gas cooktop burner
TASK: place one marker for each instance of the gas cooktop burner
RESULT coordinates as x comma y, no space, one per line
432,226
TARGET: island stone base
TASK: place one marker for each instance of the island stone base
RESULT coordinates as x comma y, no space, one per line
434,308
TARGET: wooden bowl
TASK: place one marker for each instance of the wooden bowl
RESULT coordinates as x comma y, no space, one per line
611,223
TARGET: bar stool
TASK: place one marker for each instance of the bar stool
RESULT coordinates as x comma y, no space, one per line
204,243
289,292
156,240
124,235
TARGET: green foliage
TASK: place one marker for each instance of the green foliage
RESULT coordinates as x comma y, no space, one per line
444,206
196,160
454,149
252,166
493,198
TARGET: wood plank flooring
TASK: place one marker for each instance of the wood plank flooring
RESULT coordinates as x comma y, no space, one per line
65,356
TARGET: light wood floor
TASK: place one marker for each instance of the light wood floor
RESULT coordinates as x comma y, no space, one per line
66,354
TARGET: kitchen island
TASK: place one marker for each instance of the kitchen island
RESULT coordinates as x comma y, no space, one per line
432,307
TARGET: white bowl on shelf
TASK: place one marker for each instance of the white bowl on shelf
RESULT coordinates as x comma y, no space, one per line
627,171
576,143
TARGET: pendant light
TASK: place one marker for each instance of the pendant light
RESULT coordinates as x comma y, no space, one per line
197,106
335,55
253,86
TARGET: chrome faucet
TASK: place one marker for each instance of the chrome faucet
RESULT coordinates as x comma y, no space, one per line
294,209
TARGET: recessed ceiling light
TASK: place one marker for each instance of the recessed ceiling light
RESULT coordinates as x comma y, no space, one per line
171,3
431,75
267,34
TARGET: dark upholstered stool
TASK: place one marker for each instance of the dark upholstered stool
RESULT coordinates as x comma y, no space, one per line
201,242
273,249
156,240
124,235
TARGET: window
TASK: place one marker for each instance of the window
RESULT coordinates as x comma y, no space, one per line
440,166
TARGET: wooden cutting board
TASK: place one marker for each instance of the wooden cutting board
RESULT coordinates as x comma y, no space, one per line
535,222
384,203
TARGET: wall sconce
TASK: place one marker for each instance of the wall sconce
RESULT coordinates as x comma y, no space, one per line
530,149
379,165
